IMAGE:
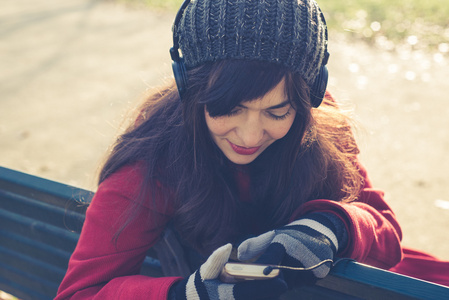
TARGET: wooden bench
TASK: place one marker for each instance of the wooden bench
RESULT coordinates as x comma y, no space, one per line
40,222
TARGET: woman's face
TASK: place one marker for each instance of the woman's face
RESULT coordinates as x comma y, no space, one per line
252,126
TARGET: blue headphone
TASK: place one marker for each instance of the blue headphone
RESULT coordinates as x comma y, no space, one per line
317,90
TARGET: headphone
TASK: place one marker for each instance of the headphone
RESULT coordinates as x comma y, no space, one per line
317,90
179,68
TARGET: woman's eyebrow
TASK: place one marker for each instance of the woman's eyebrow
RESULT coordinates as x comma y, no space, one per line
280,105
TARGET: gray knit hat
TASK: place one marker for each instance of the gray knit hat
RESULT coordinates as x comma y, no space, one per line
289,32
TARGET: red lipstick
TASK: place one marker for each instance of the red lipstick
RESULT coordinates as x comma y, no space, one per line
242,150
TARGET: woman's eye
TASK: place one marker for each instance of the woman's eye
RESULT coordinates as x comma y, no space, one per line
279,117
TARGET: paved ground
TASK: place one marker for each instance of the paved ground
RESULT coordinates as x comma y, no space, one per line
72,69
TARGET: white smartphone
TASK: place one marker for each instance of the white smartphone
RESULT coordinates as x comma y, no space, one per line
234,272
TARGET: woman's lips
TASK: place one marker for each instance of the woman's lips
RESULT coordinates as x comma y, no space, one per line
242,150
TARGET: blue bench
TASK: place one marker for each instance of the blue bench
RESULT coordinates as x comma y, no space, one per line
40,222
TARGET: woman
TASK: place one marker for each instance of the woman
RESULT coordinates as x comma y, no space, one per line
241,155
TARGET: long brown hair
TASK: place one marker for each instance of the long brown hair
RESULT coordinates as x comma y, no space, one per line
316,159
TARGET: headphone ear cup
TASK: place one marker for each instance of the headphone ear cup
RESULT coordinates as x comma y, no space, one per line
319,87
180,73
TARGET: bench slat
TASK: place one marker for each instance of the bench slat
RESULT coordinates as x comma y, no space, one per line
31,266
44,190
384,284
28,282
20,291
37,230
35,249
54,215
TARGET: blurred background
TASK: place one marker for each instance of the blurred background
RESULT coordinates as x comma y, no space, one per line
71,71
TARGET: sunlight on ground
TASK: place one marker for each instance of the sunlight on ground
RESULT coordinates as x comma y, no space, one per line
5,296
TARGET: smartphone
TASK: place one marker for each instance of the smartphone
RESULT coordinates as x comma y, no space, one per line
234,272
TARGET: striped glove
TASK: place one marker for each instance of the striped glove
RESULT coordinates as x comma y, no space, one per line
204,284
309,243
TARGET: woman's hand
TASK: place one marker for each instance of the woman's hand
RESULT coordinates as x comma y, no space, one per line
204,284
309,243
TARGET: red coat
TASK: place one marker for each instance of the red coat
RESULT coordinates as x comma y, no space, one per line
102,269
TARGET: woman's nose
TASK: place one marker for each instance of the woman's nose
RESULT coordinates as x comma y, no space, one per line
251,132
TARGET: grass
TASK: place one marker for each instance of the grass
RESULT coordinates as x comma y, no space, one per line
421,24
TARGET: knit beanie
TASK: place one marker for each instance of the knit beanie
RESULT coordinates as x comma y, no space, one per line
291,33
